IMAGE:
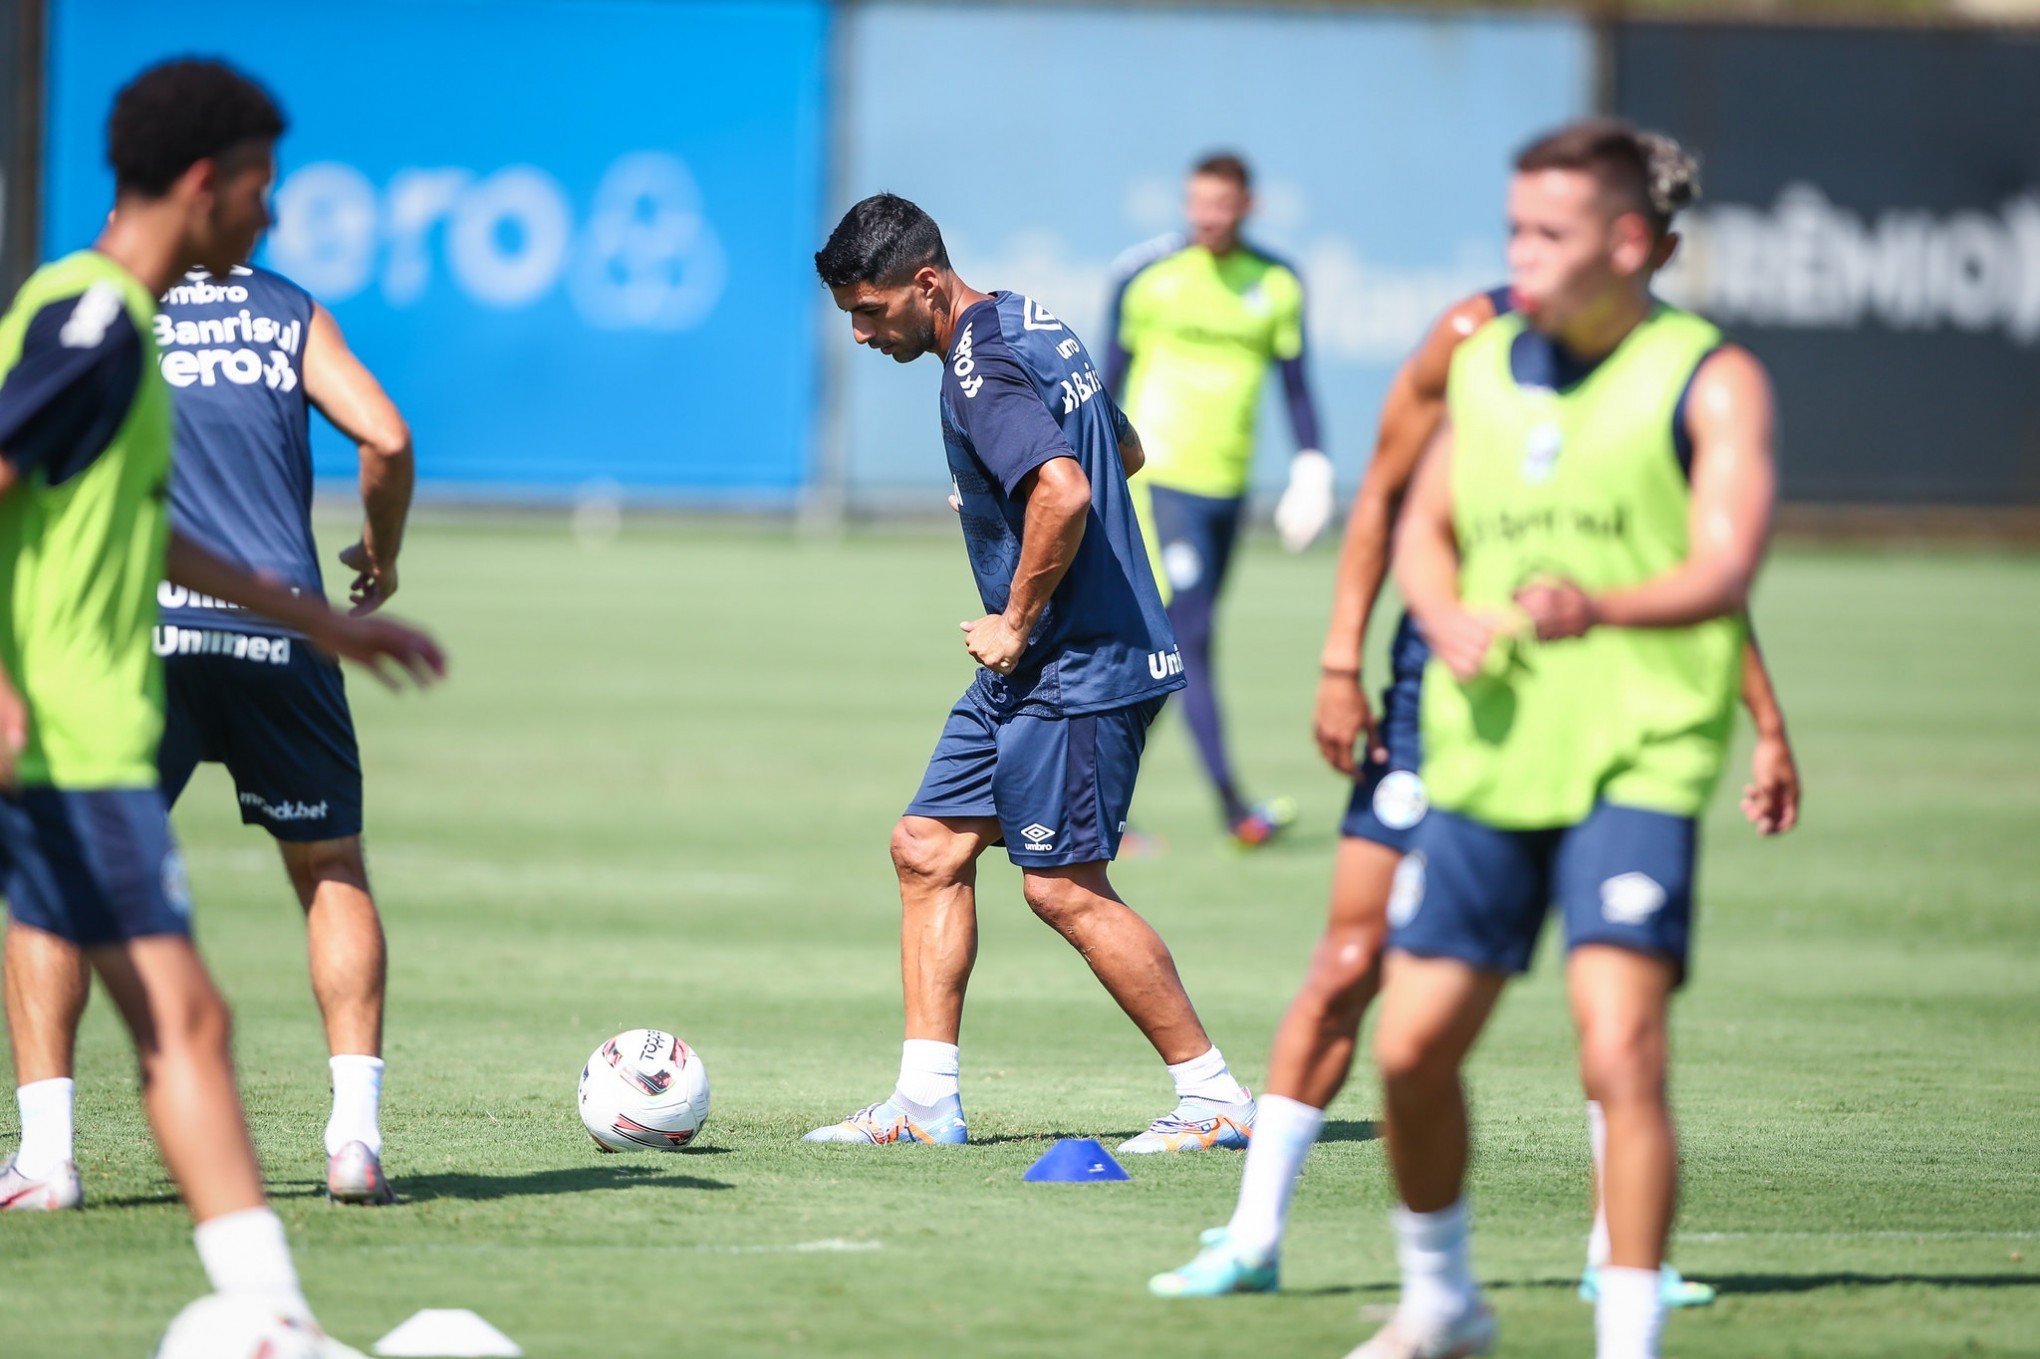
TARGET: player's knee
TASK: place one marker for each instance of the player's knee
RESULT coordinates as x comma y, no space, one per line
927,854
1345,970
196,1021
1623,1060
1410,1059
321,861
1061,902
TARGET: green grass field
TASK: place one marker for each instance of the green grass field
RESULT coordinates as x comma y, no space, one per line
657,791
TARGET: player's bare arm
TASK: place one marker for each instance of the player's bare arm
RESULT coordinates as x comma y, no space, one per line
1409,417
1734,482
1770,800
1131,455
369,642
346,393
1427,565
1058,505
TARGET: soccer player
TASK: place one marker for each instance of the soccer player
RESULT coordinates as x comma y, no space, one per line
1197,319
1578,549
1315,1044
1041,751
247,354
85,441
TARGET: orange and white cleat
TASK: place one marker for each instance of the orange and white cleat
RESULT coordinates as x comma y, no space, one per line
1196,1125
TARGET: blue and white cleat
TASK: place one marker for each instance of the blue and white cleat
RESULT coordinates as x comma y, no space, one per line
1196,1125
1217,1270
55,1192
1674,1289
899,1122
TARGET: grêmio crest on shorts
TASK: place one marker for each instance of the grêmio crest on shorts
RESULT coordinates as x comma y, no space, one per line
1019,390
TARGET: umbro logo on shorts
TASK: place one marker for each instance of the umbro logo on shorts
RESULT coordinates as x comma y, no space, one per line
1038,836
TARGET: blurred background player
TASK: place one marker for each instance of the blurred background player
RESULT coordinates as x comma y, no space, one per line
1576,711
86,852
247,355
1314,1047
1041,751
1196,320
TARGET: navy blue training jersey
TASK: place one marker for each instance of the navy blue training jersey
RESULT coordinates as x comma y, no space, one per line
1018,389
241,476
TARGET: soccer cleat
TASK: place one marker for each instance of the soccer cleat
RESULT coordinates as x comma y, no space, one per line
889,1123
1263,822
1674,1290
1196,1125
354,1174
1473,1333
1216,1271
58,1190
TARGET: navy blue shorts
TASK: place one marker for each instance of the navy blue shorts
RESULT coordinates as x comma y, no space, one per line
1388,801
1470,891
94,866
1059,786
1196,534
274,712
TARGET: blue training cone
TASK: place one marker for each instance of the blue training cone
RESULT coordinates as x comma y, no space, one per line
1075,1160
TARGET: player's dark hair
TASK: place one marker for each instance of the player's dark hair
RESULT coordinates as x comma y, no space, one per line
178,113
884,240
1644,170
1225,165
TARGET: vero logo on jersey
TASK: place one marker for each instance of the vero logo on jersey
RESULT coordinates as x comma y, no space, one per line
965,364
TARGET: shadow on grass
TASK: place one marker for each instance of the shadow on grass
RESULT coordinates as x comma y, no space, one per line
1045,1138
1813,1283
1350,1130
534,1183
424,1188
1726,1284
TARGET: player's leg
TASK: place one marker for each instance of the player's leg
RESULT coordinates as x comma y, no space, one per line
1624,879
1194,546
99,869
1465,915
47,983
1062,787
1312,1055
349,969
935,847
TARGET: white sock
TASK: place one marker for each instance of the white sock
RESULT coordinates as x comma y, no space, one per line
357,1102
1437,1266
245,1253
1597,1137
1628,1315
1284,1130
1206,1078
928,1071
46,1126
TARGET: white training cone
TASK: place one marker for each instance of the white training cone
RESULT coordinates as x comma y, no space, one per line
447,1333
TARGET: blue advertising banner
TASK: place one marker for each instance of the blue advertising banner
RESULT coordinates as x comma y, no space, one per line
573,239
1060,137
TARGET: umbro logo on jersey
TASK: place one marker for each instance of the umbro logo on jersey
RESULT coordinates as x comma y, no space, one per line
1034,316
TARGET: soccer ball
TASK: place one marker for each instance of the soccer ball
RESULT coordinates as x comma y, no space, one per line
644,1088
223,1327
